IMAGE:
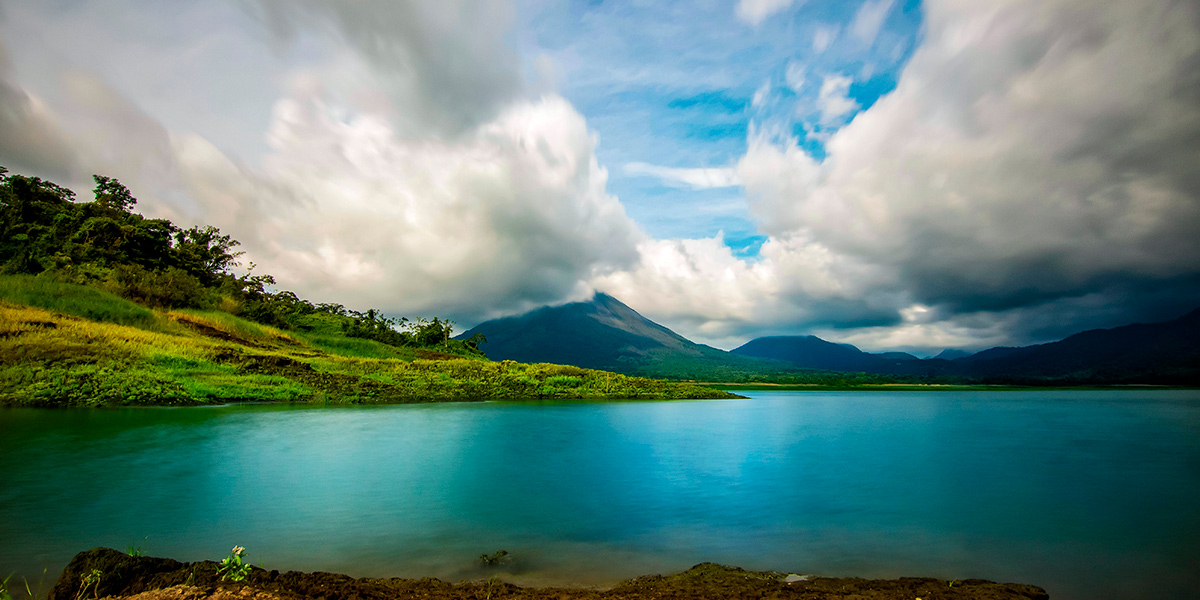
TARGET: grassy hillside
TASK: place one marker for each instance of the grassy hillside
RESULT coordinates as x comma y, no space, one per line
65,344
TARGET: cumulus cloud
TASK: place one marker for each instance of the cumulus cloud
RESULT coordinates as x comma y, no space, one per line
1031,153
511,216
755,12
1033,174
702,178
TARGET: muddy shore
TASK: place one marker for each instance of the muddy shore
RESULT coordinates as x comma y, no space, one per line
147,578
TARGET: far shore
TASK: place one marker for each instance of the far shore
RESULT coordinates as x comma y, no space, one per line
983,387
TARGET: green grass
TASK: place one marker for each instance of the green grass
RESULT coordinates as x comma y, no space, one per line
49,356
78,300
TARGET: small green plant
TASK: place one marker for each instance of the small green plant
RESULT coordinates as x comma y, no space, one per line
232,567
493,583
91,580
4,593
136,550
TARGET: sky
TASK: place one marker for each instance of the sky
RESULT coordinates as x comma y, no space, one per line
895,174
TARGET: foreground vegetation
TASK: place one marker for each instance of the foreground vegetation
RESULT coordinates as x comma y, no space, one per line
101,306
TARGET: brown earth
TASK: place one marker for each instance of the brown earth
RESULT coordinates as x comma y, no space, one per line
145,578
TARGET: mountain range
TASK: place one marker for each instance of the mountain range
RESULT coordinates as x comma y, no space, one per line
603,333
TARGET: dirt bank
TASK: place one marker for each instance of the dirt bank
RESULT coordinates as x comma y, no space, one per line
145,578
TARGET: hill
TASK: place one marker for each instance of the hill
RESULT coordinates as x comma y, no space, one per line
812,352
1159,353
1162,353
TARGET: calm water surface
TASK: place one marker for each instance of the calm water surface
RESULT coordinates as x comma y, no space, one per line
1091,495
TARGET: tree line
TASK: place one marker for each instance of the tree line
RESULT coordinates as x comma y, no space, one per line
46,231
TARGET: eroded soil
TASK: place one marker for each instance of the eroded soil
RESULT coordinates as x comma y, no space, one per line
145,578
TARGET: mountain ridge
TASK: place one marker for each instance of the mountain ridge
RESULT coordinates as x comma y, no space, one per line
604,333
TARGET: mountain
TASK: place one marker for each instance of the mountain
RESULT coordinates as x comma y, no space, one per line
1166,352
603,333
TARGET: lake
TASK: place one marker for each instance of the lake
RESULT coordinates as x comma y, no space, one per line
1089,494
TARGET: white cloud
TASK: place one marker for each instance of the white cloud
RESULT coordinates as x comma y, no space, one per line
869,19
823,38
761,95
695,178
755,12
833,100
697,285
794,75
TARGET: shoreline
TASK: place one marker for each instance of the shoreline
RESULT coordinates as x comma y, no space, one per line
107,573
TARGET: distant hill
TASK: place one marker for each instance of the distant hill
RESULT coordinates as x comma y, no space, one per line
603,333
1164,353
812,352
1167,352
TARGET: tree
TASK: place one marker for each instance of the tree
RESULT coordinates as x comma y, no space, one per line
112,194
206,253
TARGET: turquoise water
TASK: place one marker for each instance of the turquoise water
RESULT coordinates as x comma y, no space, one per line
1088,494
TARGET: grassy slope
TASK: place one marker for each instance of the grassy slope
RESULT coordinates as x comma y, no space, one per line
69,345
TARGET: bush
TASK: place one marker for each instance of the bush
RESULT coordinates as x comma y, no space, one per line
163,288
